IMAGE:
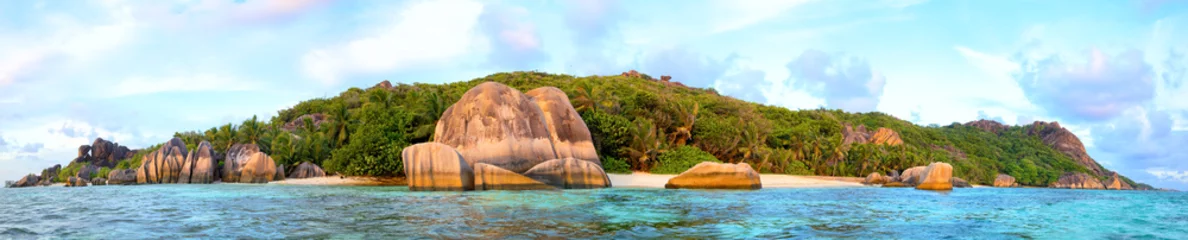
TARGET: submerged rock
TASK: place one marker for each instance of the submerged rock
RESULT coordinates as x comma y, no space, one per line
570,173
569,133
307,170
495,124
1005,181
76,182
491,177
710,175
121,177
1077,180
937,176
435,167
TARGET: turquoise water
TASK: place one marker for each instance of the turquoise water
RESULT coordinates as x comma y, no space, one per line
303,212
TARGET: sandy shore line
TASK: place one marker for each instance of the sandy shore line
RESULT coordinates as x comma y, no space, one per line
634,180
648,180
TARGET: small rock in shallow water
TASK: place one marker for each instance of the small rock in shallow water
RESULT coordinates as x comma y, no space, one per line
711,175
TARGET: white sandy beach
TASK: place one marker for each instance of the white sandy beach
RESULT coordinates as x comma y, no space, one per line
634,180
343,181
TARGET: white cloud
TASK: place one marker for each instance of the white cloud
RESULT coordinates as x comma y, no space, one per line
1166,174
424,33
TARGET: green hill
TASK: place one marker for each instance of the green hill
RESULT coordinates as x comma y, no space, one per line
643,124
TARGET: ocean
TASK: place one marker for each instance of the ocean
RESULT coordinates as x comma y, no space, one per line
223,211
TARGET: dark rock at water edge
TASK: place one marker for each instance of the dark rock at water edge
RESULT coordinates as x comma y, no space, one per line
76,182
98,181
307,170
122,177
28,181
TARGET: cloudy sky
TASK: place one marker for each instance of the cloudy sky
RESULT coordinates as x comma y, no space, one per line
137,71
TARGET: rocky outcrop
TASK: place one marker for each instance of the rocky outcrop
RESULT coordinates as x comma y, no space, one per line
121,177
959,183
27,181
76,182
280,173
876,179
316,118
199,166
937,176
710,175
570,136
1077,180
570,173
436,167
1115,182
911,176
1005,181
884,136
988,125
1065,142
98,181
235,159
495,124
307,170
490,177
49,175
86,171
105,153
164,165
259,168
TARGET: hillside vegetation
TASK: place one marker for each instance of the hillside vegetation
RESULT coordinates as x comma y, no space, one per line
641,124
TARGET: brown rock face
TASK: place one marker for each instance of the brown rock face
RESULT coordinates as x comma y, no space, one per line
436,167
299,122
1077,181
884,136
27,181
1115,183
570,173
48,175
235,159
571,138
98,181
875,179
199,166
710,175
163,165
85,172
260,168
280,173
988,125
495,124
1005,181
106,153
959,183
490,177
76,182
937,176
307,170
911,176
1065,142
121,177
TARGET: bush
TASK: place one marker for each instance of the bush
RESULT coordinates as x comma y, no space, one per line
615,165
797,168
102,172
611,132
70,171
375,146
682,158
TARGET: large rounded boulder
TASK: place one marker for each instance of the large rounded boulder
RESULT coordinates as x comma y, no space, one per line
711,175
911,176
236,158
570,173
199,166
163,165
1005,181
436,167
259,168
121,177
307,170
498,125
490,177
569,133
27,181
937,176
76,182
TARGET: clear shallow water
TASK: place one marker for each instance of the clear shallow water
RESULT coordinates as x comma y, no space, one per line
302,212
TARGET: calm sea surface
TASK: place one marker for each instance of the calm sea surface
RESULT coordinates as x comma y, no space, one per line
303,212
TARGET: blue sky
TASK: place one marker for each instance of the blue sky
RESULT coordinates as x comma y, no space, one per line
137,71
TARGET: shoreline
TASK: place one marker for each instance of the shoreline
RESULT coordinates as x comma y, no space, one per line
633,180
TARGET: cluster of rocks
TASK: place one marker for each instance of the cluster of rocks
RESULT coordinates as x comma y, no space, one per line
316,118
497,138
935,176
884,136
103,153
1079,180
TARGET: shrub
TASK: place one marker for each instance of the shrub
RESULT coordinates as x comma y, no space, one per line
102,172
375,146
682,158
615,165
611,132
70,171
797,168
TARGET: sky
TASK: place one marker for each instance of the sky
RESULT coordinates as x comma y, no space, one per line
135,72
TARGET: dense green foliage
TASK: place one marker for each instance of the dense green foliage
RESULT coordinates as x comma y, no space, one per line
615,165
70,171
641,123
102,173
680,159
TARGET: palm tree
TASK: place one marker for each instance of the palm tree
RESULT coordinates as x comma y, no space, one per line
251,130
380,97
339,129
590,97
686,117
227,136
645,145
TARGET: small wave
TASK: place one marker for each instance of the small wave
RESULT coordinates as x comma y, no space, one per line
18,232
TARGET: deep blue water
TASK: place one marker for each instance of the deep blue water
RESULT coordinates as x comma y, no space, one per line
304,212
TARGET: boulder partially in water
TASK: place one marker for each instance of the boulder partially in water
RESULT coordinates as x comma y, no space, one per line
1077,180
937,176
121,177
498,125
711,175
1005,181
959,183
491,177
76,182
570,173
27,181
307,170
436,167
569,133
259,168
98,181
